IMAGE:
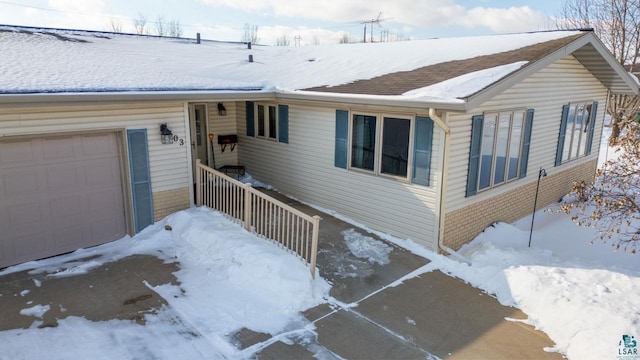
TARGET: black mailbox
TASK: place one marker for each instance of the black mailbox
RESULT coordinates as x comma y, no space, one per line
225,140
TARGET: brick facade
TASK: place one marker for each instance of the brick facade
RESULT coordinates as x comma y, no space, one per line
170,201
462,225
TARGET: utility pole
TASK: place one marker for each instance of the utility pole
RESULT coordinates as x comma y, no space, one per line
296,40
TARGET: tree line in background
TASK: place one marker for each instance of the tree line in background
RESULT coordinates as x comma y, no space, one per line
142,26
611,204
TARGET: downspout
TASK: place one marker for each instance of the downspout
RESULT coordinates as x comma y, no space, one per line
443,189
187,135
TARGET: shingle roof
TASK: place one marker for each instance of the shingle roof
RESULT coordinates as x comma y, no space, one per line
401,82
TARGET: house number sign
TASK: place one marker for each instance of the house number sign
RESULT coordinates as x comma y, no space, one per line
178,140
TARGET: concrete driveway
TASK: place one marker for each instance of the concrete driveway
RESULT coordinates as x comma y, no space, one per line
424,317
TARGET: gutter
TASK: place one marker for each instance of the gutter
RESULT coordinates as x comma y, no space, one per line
361,99
132,96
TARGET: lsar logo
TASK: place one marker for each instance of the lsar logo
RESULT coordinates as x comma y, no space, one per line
628,348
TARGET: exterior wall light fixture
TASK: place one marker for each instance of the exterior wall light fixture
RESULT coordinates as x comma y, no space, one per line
221,109
166,136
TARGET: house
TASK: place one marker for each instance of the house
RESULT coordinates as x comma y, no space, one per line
431,140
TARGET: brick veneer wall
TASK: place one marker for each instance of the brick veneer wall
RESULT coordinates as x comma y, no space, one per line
170,201
462,225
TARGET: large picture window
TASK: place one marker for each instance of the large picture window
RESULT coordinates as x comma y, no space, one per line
501,144
499,148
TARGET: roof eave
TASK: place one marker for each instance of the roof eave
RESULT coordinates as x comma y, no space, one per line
128,96
624,84
382,100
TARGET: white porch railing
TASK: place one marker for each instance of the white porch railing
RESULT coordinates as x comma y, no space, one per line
259,213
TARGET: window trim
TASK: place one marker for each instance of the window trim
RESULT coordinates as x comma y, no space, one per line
379,137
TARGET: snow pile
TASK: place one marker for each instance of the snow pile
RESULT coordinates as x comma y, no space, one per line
583,296
365,247
229,279
243,280
37,311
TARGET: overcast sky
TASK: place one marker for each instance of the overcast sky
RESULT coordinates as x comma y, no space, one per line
311,21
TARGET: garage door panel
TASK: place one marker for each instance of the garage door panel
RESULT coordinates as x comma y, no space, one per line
64,178
107,229
104,203
58,194
98,145
19,182
70,238
28,246
58,148
102,172
18,152
67,208
23,216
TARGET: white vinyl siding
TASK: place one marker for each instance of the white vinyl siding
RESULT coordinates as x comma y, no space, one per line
169,168
223,125
546,92
304,168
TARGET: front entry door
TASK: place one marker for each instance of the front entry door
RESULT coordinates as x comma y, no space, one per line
198,128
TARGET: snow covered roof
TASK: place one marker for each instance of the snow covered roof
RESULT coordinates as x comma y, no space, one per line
454,70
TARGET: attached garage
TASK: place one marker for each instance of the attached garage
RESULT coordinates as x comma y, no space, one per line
60,193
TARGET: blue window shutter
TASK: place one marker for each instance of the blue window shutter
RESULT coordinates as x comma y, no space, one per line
283,124
423,138
594,117
526,143
342,133
561,135
251,128
474,154
140,178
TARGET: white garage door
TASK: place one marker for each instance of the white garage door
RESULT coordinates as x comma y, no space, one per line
58,194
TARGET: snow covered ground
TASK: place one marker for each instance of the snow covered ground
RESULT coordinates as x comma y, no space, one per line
585,297
231,279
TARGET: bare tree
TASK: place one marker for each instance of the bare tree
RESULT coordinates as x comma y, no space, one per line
283,40
174,28
139,24
344,38
161,26
617,24
114,25
250,34
612,203
315,40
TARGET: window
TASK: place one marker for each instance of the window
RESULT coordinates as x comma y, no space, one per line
499,148
576,131
383,145
363,142
393,159
267,121
395,146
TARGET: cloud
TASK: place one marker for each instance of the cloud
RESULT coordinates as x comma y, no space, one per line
78,6
429,14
